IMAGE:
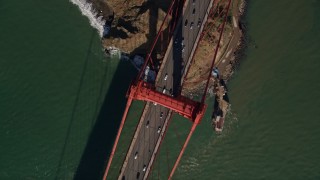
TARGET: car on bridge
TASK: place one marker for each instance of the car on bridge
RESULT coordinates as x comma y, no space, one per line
171,92
164,90
159,129
136,155
199,22
166,77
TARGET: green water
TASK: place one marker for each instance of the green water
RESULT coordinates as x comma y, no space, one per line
57,113
273,131
61,99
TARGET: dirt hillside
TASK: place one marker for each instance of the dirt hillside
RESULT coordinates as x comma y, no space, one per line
135,24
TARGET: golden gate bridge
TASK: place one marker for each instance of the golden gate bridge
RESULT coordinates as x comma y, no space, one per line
181,20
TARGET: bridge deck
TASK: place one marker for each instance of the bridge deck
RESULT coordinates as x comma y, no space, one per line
154,120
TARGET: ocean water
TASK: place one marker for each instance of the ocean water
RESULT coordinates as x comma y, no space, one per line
272,130
57,112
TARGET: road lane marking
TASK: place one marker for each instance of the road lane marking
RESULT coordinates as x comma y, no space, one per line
235,24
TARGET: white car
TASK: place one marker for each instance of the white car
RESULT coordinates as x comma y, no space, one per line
161,115
164,90
136,155
159,129
165,77
144,168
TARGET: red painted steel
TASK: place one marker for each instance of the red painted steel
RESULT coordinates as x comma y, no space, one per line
130,99
216,52
184,106
194,125
202,101
118,137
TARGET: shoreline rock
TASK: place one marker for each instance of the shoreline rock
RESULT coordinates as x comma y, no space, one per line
134,36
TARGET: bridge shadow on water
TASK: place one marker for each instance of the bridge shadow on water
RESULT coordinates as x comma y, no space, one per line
101,139
95,156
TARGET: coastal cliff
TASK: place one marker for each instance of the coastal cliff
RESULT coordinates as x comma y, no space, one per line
134,25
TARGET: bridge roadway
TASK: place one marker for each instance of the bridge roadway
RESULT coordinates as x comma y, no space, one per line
154,119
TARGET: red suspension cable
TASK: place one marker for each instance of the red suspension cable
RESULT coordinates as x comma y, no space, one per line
215,54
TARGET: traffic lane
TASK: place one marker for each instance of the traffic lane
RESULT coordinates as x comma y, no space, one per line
190,35
193,13
168,82
190,28
135,166
144,148
200,11
171,66
155,134
186,37
132,167
187,33
148,139
153,116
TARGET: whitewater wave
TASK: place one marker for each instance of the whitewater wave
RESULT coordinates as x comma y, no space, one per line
87,10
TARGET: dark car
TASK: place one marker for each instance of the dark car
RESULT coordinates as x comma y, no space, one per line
191,25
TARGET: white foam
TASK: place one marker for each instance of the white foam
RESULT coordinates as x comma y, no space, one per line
87,10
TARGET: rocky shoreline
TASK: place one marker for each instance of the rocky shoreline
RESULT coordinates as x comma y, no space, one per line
239,52
127,18
219,88
126,27
243,43
226,65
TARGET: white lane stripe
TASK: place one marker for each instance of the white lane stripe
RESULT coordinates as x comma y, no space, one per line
228,54
235,22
